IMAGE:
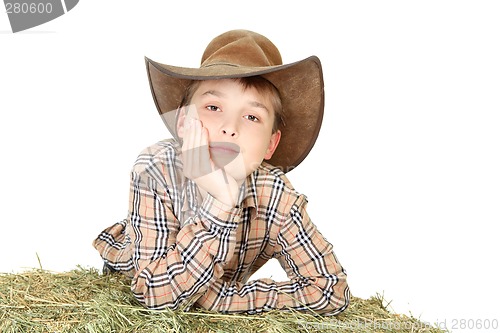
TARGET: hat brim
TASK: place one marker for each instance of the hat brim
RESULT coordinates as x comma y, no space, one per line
300,85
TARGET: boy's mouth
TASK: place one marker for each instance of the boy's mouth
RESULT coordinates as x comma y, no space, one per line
224,148
223,153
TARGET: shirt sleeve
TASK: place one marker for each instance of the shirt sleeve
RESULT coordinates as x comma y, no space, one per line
175,266
317,281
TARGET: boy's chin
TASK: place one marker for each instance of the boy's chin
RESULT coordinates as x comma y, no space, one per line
221,161
238,175
237,170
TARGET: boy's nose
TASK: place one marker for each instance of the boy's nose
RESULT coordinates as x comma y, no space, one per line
229,126
230,132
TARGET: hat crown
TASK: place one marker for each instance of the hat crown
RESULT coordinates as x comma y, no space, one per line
241,48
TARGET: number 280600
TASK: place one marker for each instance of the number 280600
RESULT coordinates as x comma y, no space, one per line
28,8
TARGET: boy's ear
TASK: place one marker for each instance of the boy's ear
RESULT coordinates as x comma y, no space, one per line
273,144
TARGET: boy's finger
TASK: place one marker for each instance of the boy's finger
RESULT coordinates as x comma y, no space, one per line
196,132
187,141
205,162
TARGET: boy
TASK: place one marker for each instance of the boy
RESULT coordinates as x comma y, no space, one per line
211,206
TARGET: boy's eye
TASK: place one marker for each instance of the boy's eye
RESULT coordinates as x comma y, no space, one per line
252,118
213,108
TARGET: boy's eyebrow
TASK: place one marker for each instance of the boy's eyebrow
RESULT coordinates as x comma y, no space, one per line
259,105
221,94
214,92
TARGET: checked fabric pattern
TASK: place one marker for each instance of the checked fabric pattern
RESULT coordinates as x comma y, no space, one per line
182,250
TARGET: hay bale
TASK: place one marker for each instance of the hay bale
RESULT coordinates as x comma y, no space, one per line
83,300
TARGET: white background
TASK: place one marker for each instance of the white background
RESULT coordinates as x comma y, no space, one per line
404,178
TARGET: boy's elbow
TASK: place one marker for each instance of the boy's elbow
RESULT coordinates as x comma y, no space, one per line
152,303
159,301
152,298
335,302
339,301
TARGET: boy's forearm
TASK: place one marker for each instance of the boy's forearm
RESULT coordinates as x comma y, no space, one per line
321,295
318,281
194,259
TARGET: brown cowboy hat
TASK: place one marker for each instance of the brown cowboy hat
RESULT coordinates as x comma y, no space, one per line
241,53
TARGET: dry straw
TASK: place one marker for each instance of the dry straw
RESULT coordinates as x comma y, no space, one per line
83,300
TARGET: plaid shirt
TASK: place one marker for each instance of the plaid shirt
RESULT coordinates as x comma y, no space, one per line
181,250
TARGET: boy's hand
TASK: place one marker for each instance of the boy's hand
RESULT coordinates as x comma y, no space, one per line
199,167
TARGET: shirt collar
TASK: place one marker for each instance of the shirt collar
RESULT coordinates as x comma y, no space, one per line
247,199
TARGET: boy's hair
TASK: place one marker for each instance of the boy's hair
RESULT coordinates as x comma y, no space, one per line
263,87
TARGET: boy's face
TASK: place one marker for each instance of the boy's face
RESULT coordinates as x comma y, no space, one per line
239,123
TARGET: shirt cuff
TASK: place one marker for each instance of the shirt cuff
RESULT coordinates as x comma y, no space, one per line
222,215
